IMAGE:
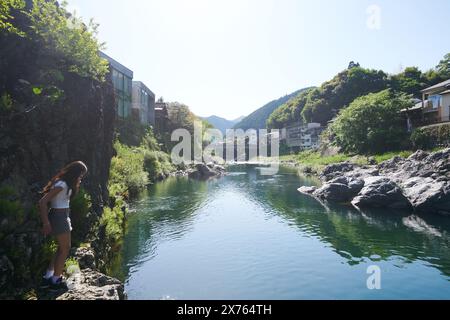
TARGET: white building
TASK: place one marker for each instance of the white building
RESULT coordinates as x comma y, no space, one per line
304,136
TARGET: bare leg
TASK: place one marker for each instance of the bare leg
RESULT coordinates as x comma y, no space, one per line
64,245
51,266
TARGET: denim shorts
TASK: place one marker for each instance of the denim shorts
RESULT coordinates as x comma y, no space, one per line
60,221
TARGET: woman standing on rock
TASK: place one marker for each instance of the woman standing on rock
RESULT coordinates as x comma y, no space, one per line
56,222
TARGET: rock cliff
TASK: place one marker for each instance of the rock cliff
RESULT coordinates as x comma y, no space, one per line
35,143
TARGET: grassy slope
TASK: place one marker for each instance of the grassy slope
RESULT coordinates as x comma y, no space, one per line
314,162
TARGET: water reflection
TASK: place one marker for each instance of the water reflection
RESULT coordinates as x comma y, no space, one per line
174,209
164,213
354,234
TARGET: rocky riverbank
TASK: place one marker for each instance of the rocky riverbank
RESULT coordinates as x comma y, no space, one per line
420,182
85,282
206,171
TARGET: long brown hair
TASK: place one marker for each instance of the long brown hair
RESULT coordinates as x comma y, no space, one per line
69,175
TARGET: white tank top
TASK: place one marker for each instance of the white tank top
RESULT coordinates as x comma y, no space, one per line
62,199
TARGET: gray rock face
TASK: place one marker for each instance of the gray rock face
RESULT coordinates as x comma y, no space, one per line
204,172
336,192
421,182
93,285
35,145
6,270
85,258
381,192
335,170
427,194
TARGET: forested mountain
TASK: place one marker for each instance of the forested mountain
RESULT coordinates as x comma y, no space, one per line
323,103
221,123
289,112
258,119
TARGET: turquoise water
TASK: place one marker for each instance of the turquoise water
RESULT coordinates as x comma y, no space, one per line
248,236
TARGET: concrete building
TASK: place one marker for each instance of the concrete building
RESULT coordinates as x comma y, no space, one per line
122,79
143,103
304,137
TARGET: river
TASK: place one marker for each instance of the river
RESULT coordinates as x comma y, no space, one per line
248,236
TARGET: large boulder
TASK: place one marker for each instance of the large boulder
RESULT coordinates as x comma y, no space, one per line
339,190
421,181
381,192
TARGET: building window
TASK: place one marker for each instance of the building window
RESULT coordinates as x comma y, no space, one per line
121,107
127,85
436,101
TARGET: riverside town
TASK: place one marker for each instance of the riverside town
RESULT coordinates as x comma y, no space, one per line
220,158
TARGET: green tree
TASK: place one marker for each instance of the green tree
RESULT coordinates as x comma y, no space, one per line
66,37
372,123
7,18
410,81
443,68
325,102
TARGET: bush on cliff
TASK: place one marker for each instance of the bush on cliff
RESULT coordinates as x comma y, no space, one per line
156,162
131,132
372,124
113,220
127,170
430,137
11,211
80,207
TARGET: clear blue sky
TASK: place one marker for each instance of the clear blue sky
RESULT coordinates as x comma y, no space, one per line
230,57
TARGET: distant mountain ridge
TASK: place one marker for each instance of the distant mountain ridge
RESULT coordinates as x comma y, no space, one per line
222,124
257,120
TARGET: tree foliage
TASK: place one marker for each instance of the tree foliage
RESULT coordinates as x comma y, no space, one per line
372,123
410,81
181,117
325,102
41,37
66,36
443,68
430,137
7,18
